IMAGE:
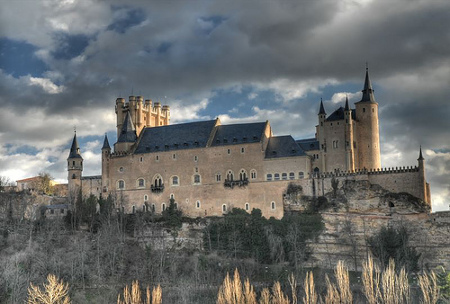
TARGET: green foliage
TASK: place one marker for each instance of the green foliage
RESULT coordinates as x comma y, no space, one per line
317,204
172,216
391,243
242,235
293,189
443,279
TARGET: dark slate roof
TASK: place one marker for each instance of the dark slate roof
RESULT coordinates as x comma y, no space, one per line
128,132
75,149
91,177
238,134
322,109
367,95
175,137
308,144
339,115
106,143
283,146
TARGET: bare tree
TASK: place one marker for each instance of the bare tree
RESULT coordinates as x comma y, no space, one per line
54,292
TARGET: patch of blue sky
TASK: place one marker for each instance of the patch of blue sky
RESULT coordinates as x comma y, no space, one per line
84,140
70,46
25,149
18,58
206,25
239,103
163,47
125,18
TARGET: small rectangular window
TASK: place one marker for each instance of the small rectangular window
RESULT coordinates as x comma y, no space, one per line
242,150
229,151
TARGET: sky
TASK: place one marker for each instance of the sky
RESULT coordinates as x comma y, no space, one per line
63,63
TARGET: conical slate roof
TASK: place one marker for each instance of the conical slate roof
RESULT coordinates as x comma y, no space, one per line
128,132
106,143
322,109
75,149
347,108
420,154
367,91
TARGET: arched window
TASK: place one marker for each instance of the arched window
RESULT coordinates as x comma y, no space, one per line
253,174
145,197
224,208
242,175
277,176
175,181
269,177
157,181
141,183
284,176
247,206
291,175
197,179
272,205
120,185
133,208
301,175
172,196
218,177
197,205
153,208
230,175
163,207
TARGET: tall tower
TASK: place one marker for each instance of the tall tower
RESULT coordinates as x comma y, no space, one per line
321,136
424,187
368,136
106,153
74,168
349,137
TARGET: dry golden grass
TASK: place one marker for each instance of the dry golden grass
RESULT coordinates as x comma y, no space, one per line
429,287
135,296
310,290
233,292
54,292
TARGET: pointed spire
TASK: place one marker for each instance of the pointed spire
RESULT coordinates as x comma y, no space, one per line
367,91
128,132
106,143
420,154
347,108
322,109
75,149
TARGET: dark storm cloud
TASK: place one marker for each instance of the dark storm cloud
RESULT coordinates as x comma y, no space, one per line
194,51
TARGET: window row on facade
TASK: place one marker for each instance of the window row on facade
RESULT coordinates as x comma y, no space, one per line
284,176
157,181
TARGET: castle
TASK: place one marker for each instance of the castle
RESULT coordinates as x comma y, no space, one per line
208,168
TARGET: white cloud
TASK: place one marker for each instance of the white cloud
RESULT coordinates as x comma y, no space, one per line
47,85
180,112
293,89
339,98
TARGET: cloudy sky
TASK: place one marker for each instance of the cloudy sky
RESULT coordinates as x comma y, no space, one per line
64,62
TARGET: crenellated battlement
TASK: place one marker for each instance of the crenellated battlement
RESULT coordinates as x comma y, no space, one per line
389,170
143,113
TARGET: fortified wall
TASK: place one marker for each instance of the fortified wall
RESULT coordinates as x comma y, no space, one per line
396,180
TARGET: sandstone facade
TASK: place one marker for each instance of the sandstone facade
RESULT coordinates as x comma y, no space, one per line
208,168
